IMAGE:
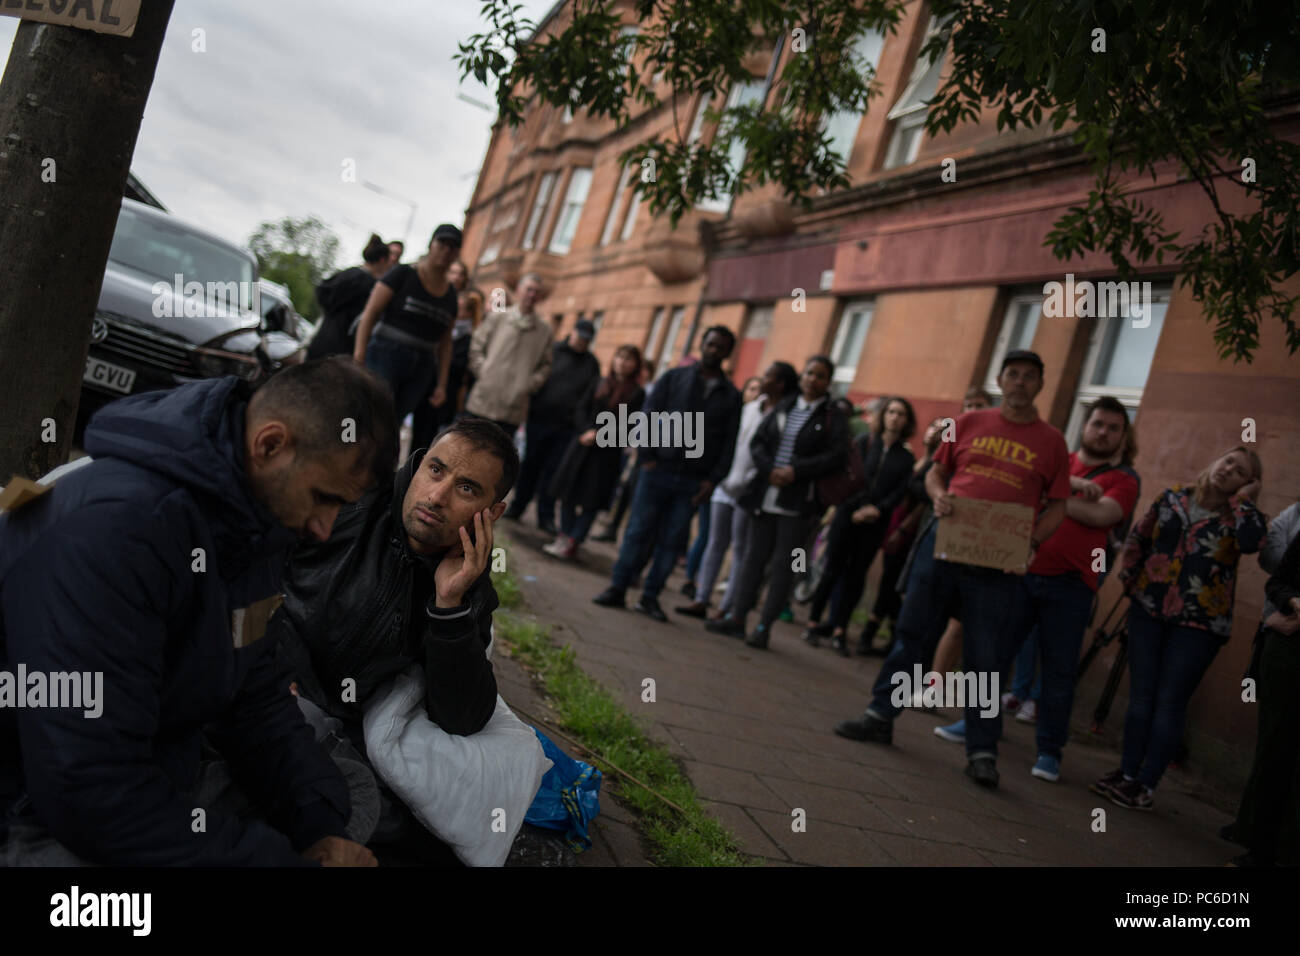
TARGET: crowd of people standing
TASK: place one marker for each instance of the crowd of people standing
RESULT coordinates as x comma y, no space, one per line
780,475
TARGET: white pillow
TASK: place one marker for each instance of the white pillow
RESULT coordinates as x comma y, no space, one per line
471,792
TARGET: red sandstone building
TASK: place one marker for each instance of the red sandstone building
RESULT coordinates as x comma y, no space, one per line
915,285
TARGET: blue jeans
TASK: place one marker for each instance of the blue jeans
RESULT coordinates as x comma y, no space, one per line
1027,683
990,602
660,512
696,554
577,525
1166,662
409,372
1056,608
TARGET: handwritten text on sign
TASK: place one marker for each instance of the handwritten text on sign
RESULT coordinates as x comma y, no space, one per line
117,17
991,534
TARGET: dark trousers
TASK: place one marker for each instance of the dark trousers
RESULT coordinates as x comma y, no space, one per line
1166,663
1269,819
660,512
576,524
772,541
545,447
863,543
990,605
837,548
696,554
888,600
1059,607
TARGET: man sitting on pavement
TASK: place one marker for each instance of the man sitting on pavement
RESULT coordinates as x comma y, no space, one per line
127,571
405,579
1005,454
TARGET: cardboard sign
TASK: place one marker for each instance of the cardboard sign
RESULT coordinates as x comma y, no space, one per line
116,17
990,534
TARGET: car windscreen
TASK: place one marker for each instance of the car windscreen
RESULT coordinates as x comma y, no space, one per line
165,250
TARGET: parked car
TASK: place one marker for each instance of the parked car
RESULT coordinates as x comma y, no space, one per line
180,304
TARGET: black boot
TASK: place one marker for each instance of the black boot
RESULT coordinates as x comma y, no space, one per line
867,637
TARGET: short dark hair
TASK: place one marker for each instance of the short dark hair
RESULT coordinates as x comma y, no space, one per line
491,437
725,332
788,377
825,360
1108,403
376,249
318,400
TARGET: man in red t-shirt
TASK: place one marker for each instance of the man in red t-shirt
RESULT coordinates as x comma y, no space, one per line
1058,591
1003,454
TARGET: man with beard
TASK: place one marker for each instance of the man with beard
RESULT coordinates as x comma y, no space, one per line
1057,594
130,568
1005,454
405,579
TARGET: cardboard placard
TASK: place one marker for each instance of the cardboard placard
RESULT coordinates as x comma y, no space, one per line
115,17
989,534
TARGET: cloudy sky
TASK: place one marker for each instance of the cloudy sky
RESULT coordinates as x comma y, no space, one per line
259,125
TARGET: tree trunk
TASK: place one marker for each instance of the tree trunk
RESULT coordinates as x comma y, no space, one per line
71,102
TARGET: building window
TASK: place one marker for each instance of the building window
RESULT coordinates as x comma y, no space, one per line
656,326
742,94
615,207
1017,332
567,224
633,208
850,337
666,352
1118,359
539,208
842,125
759,325
908,114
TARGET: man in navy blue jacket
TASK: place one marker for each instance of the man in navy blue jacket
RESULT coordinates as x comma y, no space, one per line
679,473
128,570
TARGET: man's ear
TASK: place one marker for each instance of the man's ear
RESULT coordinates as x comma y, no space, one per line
268,442
498,510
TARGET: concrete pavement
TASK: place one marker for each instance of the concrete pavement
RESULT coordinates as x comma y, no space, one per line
753,731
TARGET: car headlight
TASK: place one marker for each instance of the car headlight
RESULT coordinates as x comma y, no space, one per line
214,364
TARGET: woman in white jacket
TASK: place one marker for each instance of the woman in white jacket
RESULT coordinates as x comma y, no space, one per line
729,523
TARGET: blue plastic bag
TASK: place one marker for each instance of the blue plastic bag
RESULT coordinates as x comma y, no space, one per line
569,797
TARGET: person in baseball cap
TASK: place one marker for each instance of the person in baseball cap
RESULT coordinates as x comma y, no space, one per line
448,235
1022,355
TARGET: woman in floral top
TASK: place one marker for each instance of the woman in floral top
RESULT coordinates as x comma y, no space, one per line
1179,566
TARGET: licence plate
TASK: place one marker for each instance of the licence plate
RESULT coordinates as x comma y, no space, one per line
107,375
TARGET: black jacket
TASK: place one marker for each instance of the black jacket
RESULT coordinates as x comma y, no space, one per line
572,374
685,390
358,606
820,448
887,472
104,574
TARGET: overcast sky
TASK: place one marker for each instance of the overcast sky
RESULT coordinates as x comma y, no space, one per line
258,127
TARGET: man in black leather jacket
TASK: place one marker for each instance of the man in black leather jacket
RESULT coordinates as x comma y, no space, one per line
404,578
